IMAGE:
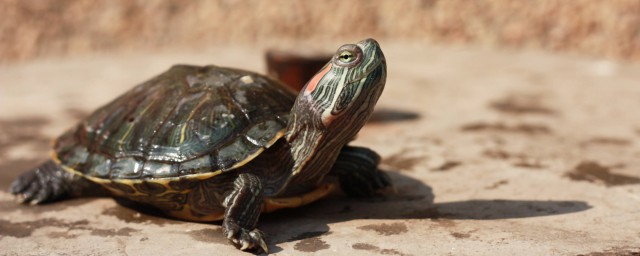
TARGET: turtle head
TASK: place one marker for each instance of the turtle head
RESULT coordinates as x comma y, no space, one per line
343,93
333,106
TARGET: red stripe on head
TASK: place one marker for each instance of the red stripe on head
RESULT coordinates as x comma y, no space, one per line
311,86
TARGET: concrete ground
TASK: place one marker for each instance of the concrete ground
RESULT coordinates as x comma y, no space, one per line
491,153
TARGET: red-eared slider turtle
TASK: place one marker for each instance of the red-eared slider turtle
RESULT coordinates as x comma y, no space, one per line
211,143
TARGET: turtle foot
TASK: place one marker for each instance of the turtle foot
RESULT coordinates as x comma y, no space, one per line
245,239
43,184
357,170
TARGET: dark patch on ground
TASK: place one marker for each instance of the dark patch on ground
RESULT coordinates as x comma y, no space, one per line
61,234
607,141
499,154
595,173
312,244
363,246
47,207
616,251
528,163
401,161
376,249
445,223
113,232
522,104
279,231
524,128
392,115
520,160
24,229
386,229
497,184
448,165
209,235
14,229
460,235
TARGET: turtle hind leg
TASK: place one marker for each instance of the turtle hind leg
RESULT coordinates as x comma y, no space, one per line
49,182
357,171
243,207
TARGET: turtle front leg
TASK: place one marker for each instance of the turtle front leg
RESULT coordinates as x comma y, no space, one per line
49,182
243,207
357,170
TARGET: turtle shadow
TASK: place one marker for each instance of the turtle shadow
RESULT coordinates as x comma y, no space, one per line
413,200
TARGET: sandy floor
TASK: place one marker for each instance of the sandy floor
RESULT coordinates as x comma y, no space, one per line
491,153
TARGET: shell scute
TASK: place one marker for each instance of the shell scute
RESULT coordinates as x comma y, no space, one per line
153,169
127,168
98,166
262,133
233,153
199,165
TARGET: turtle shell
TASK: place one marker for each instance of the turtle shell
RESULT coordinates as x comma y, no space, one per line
190,120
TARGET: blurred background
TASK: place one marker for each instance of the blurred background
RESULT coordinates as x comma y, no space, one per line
34,29
507,126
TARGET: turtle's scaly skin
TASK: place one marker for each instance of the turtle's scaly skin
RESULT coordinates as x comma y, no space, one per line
211,143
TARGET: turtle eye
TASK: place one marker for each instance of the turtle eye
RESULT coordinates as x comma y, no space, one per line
349,55
346,57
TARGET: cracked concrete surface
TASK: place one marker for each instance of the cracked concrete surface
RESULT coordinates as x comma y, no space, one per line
491,153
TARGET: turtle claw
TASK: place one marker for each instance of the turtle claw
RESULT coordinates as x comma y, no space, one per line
245,239
26,188
245,245
257,235
230,235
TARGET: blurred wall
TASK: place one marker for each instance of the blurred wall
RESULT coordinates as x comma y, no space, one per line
35,28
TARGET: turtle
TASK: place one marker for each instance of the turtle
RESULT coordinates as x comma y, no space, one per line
209,143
